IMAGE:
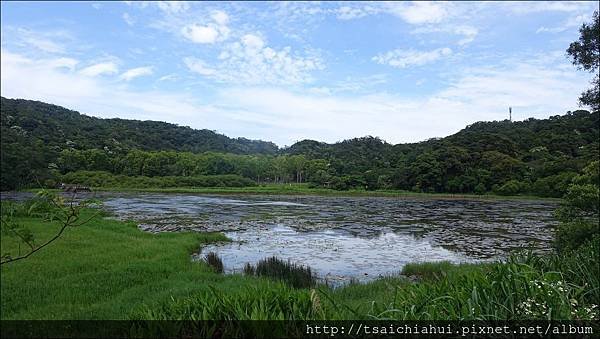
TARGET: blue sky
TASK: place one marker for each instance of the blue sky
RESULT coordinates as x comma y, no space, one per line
403,71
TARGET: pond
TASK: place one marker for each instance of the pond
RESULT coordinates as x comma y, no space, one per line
345,238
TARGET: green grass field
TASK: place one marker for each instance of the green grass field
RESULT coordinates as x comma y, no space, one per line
109,269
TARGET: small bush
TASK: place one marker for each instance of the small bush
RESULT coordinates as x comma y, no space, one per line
213,260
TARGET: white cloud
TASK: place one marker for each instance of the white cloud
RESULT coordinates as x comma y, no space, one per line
528,7
136,72
251,61
68,63
349,12
41,41
200,34
41,79
23,77
353,84
403,58
198,66
574,21
100,69
467,32
172,7
220,17
208,33
419,12
414,12
128,19
168,77
534,87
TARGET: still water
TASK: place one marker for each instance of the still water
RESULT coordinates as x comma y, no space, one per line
344,237
347,237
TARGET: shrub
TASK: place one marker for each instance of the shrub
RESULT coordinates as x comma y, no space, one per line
571,235
554,185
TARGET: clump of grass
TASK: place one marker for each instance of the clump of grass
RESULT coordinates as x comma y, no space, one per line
213,260
295,275
249,269
427,270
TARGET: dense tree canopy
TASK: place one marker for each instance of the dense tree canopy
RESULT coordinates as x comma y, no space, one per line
42,144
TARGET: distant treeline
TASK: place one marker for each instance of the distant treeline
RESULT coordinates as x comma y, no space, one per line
535,156
106,179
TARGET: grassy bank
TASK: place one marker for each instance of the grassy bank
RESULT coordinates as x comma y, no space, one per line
108,269
101,270
304,189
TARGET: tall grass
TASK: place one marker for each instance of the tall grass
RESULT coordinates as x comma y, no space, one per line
295,275
213,260
273,301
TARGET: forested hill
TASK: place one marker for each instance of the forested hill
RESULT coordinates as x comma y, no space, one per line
57,126
42,143
574,134
538,156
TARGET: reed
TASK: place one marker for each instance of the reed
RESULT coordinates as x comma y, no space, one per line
213,260
295,275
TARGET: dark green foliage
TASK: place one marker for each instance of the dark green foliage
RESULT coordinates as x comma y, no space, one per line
579,212
511,187
295,275
57,126
213,260
35,133
105,179
571,235
553,185
40,142
475,160
586,53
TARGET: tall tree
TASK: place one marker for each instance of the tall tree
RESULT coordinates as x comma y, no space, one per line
586,55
